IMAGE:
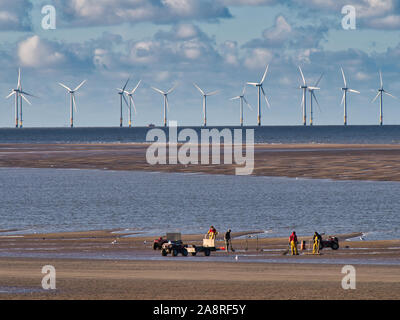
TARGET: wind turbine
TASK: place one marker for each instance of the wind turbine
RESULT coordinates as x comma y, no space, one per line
344,99
19,95
121,93
205,95
381,91
260,88
242,98
166,105
312,95
131,102
73,102
304,87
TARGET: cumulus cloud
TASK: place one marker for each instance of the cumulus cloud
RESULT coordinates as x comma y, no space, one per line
114,12
15,15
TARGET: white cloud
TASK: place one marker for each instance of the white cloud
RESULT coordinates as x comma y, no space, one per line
36,53
15,15
258,58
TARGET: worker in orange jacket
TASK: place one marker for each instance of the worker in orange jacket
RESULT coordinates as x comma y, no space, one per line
293,244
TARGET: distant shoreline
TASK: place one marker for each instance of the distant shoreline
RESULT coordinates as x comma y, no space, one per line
374,162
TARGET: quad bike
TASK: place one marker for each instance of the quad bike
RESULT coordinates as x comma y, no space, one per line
174,248
331,242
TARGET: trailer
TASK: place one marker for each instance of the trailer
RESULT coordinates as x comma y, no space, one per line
206,248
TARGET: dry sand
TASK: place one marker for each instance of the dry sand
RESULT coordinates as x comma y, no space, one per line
147,275
333,161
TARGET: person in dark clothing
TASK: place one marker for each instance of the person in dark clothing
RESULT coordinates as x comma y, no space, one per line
228,241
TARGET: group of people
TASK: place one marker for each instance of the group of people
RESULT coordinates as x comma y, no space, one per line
212,234
293,243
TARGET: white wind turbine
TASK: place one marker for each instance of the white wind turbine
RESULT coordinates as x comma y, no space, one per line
304,87
121,93
73,101
313,96
205,95
344,99
242,99
19,95
382,91
259,86
166,105
132,102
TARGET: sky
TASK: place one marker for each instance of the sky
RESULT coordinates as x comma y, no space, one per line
218,44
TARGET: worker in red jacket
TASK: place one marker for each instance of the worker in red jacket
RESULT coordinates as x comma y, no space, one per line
293,243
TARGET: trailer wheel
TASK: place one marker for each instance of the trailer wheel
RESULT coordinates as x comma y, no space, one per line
174,252
335,246
164,252
207,252
194,253
184,252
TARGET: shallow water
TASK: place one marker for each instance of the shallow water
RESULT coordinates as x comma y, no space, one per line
55,200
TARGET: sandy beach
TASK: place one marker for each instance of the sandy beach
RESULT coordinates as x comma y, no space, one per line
324,161
113,264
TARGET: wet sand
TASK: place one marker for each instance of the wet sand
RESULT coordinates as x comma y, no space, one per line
324,161
115,264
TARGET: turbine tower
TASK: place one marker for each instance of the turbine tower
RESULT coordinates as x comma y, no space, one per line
344,99
242,99
132,102
19,95
166,105
313,96
304,87
381,91
205,95
259,86
73,101
121,93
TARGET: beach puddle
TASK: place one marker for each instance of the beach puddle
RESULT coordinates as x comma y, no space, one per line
19,290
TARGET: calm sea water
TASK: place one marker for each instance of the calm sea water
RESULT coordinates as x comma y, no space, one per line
46,200
268,134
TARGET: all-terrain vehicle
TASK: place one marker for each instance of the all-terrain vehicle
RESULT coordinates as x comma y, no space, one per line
158,243
173,245
331,242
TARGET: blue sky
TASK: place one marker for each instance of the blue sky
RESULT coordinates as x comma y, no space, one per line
219,44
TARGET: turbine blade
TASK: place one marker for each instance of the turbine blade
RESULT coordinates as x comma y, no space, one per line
158,90
126,101
244,90
317,83
82,83
265,97
315,98
302,76
354,91
344,94
133,104
172,89
213,93
198,88
137,86
74,102
313,88
373,100
12,93
247,103
389,94
126,83
64,86
19,78
166,100
235,98
28,94
344,78
265,75
253,83
380,76
23,97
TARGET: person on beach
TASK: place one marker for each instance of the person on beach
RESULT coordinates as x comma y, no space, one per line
317,240
228,241
212,233
293,244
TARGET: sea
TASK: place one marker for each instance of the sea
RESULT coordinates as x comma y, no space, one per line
153,203
264,134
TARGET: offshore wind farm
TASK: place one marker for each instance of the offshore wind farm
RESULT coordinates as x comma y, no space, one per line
126,100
